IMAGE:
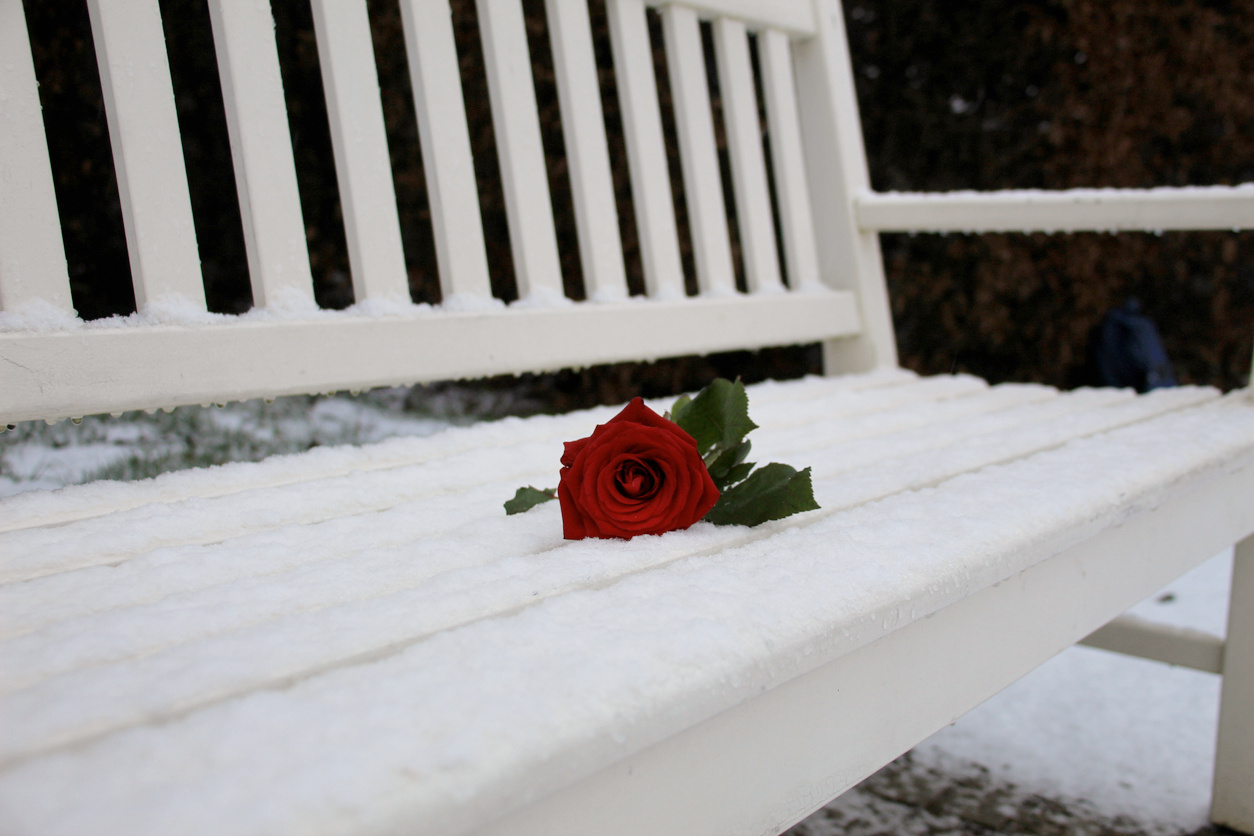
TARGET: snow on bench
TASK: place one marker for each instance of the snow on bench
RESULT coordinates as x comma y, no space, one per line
418,659
359,640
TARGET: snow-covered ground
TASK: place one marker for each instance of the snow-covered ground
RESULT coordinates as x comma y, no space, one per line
1091,734
1093,742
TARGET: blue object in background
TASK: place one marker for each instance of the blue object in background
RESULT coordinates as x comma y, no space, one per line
1125,350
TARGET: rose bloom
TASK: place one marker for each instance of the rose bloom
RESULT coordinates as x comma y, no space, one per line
636,474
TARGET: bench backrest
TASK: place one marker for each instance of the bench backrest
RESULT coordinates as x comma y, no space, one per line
174,352
817,277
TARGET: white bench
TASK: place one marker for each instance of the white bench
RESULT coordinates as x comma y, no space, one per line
359,641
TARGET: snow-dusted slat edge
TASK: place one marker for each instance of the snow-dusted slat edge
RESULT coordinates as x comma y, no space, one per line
90,370
32,256
1183,646
261,147
694,122
524,177
147,152
748,162
448,166
795,16
651,195
587,154
792,191
1070,210
363,172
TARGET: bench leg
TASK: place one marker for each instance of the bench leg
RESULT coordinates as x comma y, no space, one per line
1232,803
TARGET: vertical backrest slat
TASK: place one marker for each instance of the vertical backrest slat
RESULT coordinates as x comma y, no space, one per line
703,187
32,256
147,151
748,163
587,152
265,172
363,171
791,192
524,176
447,163
646,148
849,258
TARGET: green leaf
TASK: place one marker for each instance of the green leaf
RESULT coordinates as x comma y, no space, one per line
736,474
680,405
721,465
718,417
527,498
770,493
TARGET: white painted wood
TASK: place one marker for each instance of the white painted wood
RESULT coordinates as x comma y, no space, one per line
1070,210
849,257
694,122
362,166
651,194
147,152
112,370
748,163
774,759
1232,801
734,737
795,16
447,163
32,257
524,176
265,171
587,152
788,160
1135,636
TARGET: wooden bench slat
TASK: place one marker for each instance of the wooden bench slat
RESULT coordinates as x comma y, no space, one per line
587,151
112,369
651,196
787,157
698,154
32,256
363,172
147,153
1062,210
261,148
524,175
748,163
448,166
795,16
853,588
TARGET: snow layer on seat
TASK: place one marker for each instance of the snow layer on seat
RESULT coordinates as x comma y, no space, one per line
419,657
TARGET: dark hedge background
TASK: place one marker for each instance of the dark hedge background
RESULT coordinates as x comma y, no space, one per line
1007,94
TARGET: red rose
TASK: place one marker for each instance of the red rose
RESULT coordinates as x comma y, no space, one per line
637,474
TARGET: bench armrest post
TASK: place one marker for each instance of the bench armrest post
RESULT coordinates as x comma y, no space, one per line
849,258
1232,802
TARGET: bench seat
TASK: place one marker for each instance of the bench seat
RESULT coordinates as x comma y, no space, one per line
358,640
